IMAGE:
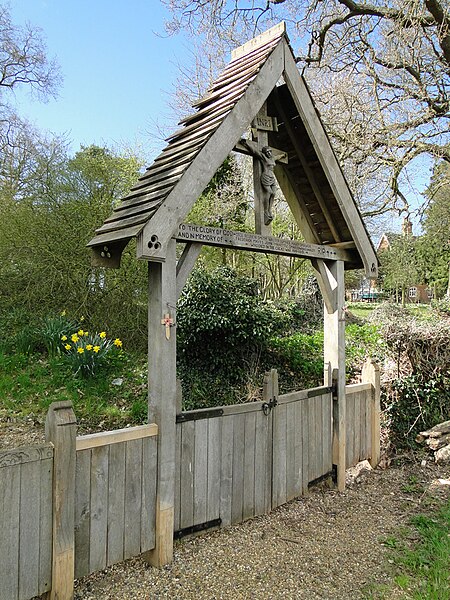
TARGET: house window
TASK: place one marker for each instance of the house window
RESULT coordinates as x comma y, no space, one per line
412,293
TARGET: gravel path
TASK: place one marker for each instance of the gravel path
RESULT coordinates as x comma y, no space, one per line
326,546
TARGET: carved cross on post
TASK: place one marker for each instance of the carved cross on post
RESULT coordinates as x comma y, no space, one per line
167,321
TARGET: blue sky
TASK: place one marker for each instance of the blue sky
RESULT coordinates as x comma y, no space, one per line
118,69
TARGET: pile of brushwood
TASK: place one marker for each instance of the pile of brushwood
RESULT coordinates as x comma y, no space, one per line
416,370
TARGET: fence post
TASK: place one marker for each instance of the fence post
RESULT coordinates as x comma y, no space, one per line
61,430
371,374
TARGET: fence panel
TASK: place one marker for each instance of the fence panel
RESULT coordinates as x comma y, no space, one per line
359,399
115,497
25,521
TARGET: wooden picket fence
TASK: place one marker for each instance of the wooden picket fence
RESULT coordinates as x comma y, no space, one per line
79,504
74,505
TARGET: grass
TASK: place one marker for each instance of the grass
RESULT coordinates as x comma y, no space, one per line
420,556
30,383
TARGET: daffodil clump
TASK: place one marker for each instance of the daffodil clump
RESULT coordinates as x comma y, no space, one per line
86,351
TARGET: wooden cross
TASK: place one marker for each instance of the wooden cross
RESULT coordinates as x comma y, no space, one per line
168,323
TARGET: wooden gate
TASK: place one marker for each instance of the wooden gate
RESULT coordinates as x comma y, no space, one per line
237,462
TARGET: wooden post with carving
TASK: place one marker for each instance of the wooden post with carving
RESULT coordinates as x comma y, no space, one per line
371,374
262,139
61,431
162,399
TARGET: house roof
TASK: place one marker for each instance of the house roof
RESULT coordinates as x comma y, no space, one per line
263,70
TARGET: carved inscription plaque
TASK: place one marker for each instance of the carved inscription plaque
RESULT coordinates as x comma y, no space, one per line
214,236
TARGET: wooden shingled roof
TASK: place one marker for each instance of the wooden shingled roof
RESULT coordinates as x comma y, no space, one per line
261,71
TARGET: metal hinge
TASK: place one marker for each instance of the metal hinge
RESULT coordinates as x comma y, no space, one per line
267,406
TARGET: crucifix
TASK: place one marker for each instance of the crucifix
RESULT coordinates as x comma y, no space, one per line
264,161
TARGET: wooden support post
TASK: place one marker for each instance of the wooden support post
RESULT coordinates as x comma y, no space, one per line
186,263
371,374
61,431
334,356
162,396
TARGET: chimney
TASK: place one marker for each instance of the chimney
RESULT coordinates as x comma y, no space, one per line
407,227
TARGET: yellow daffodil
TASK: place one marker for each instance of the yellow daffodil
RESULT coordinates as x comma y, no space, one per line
74,338
103,334
96,349
67,346
63,338
80,350
86,333
81,333
89,347
117,342
81,318
63,314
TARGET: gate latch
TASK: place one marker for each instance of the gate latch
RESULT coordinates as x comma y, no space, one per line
267,406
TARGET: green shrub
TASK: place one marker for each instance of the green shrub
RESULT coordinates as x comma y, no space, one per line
361,341
298,359
222,329
414,404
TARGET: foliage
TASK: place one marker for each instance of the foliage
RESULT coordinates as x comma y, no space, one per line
222,327
434,245
399,265
415,391
44,228
87,353
52,329
361,341
298,359
416,404
423,344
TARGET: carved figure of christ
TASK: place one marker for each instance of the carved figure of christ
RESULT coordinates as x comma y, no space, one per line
267,179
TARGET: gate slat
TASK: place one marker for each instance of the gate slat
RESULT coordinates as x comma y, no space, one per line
200,471
187,474
226,471
298,449
133,498
99,508
45,550
214,446
9,538
29,530
238,469
116,503
305,447
177,500
82,512
248,503
290,451
261,463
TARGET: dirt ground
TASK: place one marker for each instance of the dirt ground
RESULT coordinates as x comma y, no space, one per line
326,545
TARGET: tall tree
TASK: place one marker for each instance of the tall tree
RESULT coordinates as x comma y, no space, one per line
23,64
379,71
434,245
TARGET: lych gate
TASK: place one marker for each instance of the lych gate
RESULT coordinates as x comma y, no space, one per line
260,89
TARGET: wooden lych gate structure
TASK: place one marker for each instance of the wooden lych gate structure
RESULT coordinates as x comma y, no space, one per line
78,504
262,91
